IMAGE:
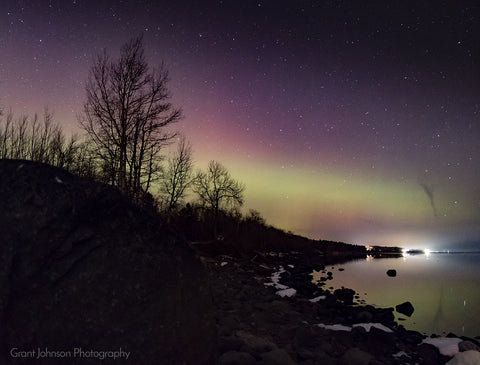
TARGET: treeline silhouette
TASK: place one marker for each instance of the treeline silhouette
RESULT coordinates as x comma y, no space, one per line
250,233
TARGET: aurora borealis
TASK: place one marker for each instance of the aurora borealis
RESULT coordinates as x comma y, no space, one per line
347,120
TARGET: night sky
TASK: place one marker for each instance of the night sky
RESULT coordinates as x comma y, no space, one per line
352,121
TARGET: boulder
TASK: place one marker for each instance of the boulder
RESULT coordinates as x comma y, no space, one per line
467,345
383,315
364,317
355,356
429,354
392,273
304,337
378,341
82,267
236,358
345,295
405,308
255,344
470,357
277,357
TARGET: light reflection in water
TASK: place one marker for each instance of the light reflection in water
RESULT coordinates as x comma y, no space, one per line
443,289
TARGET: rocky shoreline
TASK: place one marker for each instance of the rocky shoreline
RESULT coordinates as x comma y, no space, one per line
256,325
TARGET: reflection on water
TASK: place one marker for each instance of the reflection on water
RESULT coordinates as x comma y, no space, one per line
443,288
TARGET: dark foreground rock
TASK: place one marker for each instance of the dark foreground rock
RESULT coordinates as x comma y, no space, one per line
80,267
405,308
345,295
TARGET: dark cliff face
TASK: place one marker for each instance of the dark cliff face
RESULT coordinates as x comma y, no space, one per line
82,267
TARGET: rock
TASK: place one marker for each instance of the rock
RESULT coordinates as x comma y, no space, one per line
467,345
359,331
236,358
411,337
277,357
383,315
293,316
304,286
279,306
80,266
255,344
378,341
355,356
304,337
392,273
470,357
305,354
345,295
405,309
229,343
228,325
429,354
376,362
284,334
364,317
224,331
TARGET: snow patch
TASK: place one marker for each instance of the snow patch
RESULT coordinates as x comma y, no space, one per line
275,278
291,266
335,327
290,292
367,326
400,354
224,263
57,179
447,346
317,299
283,290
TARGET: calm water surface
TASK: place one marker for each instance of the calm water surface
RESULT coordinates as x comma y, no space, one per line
443,288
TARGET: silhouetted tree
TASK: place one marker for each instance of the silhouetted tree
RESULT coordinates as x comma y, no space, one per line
215,188
29,139
125,116
255,216
177,175
85,162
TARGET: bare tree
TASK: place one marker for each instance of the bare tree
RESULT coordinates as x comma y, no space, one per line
255,216
177,175
27,138
216,188
6,127
83,161
125,116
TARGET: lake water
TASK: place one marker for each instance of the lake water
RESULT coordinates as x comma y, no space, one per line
443,288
